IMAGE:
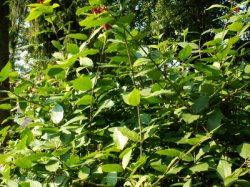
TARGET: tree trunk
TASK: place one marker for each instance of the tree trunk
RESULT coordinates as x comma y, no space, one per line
4,54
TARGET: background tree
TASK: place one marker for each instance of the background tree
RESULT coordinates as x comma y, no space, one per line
4,53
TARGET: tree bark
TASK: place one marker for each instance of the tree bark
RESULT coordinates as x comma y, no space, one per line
4,54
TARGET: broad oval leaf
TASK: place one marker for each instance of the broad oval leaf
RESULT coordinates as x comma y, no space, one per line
189,118
111,168
244,150
126,157
85,100
200,104
52,165
23,163
82,83
119,139
5,106
235,26
185,52
84,173
78,36
57,113
133,98
141,61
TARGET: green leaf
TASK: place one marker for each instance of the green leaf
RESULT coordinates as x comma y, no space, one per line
235,26
111,168
27,132
119,139
106,104
22,143
185,52
75,119
214,120
57,44
54,71
5,106
86,62
125,19
141,61
52,165
78,36
170,152
199,167
33,15
188,183
130,134
61,151
88,23
224,168
244,150
82,83
23,86
247,69
57,113
126,157
200,104
6,172
35,184
85,100
23,163
112,178
72,48
133,98
84,173
4,73
97,2
209,70
189,118
230,180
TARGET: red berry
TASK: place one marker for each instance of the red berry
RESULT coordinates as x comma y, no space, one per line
106,27
40,1
236,9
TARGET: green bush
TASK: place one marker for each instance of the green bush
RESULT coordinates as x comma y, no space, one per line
111,111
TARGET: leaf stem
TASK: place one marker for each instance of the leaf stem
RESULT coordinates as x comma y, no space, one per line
137,107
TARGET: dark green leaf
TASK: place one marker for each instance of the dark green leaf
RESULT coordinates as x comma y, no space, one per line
185,52
200,104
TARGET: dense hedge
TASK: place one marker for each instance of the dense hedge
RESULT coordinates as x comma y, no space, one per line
111,111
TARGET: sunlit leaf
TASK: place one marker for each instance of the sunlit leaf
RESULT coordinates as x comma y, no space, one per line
4,73
119,139
224,168
23,163
84,173
235,26
111,168
133,98
189,118
82,83
244,150
57,113
52,165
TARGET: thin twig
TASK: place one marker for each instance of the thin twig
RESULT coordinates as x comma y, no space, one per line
137,107
162,72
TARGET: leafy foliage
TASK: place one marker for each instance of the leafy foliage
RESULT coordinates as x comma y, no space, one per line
110,111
